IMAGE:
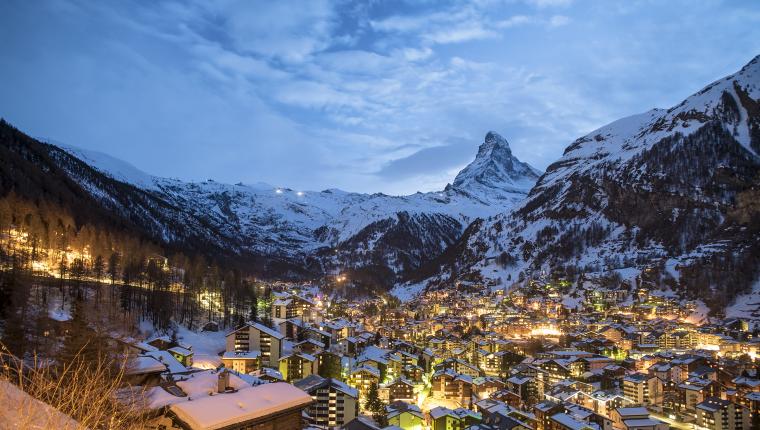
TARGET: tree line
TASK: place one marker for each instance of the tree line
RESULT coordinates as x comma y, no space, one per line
50,265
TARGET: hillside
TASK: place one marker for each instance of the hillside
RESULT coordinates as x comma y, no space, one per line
273,231
673,192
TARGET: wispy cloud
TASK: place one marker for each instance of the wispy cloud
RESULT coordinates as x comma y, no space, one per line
368,96
550,3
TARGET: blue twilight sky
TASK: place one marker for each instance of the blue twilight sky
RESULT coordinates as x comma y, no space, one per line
390,96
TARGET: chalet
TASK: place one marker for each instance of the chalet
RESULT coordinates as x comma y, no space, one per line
335,403
621,415
321,336
242,361
500,416
483,387
563,421
144,370
309,346
404,415
400,389
277,405
161,342
508,398
269,375
523,386
361,423
292,306
413,373
457,419
489,361
183,355
166,358
693,392
544,411
644,390
362,378
339,328
298,366
459,366
450,385
255,336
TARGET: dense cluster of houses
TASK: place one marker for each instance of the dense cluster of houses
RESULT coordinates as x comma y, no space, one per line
531,358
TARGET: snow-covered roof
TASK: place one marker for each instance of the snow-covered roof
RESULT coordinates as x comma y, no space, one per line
570,422
158,397
375,354
261,327
144,364
315,381
646,422
266,371
222,410
439,412
241,355
200,384
632,411
181,351
171,363
303,355
368,369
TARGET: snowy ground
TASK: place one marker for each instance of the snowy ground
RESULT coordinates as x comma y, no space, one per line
21,411
406,292
747,306
207,345
700,314
58,312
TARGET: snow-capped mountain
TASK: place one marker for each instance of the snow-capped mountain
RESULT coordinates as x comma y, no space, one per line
672,191
495,173
325,230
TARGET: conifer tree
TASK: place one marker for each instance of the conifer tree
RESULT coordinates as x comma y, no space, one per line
375,406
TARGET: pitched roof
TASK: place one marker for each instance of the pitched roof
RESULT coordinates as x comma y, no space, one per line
261,327
314,382
220,411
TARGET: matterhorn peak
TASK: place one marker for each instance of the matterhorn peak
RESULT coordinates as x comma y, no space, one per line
493,142
496,168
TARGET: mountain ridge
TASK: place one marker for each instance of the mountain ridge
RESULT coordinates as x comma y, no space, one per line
667,190
327,231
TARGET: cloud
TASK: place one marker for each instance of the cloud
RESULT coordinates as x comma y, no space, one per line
428,161
287,30
558,20
462,33
514,21
455,25
541,4
364,96
413,54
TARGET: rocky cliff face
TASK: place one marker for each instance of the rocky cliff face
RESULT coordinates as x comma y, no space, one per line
495,168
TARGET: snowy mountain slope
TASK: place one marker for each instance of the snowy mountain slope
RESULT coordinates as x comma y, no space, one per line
112,166
731,100
335,227
677,185
495,168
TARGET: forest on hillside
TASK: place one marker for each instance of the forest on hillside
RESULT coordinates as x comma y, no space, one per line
52,268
